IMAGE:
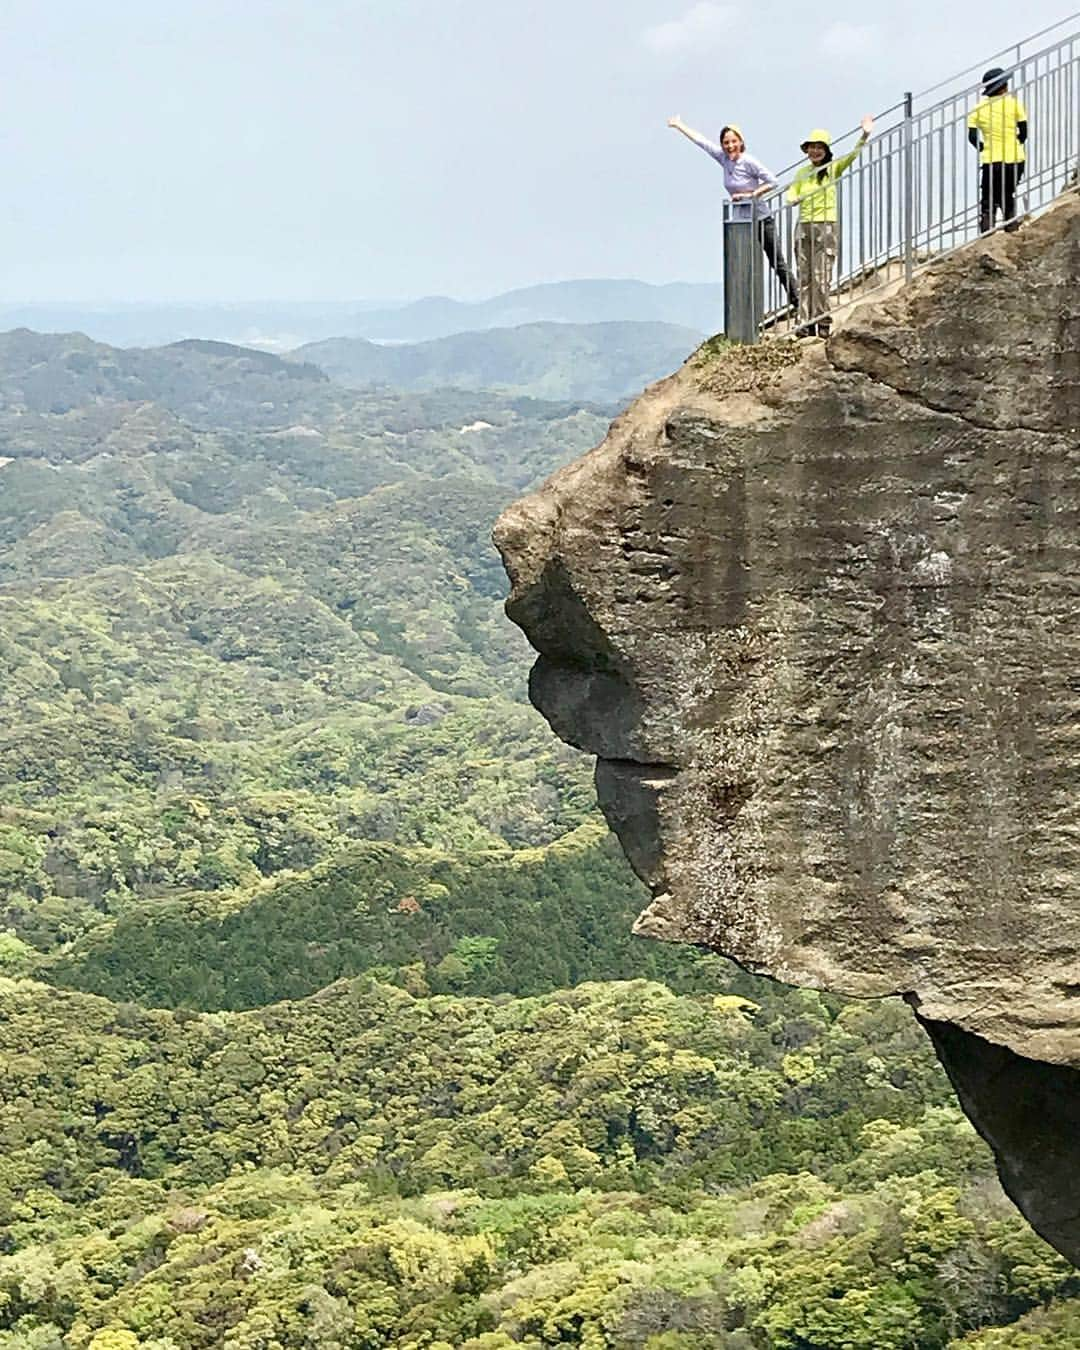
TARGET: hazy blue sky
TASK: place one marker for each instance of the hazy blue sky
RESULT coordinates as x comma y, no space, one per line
294,149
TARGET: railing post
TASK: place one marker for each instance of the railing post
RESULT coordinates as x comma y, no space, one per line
1074,63
909,185
742,278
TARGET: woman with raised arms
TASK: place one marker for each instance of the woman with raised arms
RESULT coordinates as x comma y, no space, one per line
746,180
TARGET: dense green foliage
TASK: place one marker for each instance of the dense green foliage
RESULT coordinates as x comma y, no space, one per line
520,923
613,1165
227,649
271,787
600,361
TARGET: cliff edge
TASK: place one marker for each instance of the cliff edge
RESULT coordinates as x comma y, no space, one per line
816,609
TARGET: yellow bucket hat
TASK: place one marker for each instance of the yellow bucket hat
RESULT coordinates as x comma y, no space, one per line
818,134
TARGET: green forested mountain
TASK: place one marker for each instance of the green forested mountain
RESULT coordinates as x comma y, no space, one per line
321,1024
604,362
210,383
230,647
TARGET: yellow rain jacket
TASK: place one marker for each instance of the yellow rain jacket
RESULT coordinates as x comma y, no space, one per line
996,118
817,201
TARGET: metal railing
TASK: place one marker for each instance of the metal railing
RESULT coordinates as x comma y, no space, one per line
914,192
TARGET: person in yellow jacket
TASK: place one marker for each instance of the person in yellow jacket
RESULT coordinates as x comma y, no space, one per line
998,129
814,188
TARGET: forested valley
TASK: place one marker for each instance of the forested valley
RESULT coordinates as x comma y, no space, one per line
321,1022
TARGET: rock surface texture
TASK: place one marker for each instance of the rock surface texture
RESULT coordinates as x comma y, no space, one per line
816,608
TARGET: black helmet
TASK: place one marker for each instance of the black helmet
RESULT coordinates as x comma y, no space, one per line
995,80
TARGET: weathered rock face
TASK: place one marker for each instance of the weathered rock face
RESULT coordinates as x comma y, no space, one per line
817,611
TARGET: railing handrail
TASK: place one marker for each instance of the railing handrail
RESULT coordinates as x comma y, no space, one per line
788,170
1013,49
915,194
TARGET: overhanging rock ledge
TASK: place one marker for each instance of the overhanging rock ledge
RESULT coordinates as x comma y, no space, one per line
816,608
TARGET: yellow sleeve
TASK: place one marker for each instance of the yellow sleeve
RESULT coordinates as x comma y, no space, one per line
1021,112
845,161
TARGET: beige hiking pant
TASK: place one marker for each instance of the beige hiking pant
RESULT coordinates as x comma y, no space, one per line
815,247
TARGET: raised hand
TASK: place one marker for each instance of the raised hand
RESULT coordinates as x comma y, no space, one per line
867,125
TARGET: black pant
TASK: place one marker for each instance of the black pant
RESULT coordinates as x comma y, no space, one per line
771,245
997,192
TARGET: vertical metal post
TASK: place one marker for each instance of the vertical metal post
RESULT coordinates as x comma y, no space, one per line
742,278
909,186
955,152
1072,93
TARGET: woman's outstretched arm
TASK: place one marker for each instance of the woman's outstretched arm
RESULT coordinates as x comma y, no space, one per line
710,147
839,165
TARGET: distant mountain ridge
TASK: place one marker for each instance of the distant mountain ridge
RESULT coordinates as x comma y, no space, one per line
284,325
268,325
688,304
595,362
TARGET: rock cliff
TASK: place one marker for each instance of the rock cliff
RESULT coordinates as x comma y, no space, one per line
816,609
